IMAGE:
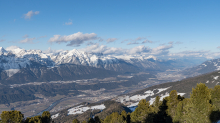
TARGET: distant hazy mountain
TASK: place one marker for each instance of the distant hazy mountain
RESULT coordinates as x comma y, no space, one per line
205,67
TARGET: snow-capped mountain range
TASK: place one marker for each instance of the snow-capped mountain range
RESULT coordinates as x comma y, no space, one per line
12,60
22,65
20,58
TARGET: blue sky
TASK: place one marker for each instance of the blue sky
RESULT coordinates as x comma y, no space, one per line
168,28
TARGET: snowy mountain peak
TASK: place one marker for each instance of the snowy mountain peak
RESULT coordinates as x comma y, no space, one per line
3,51
151,57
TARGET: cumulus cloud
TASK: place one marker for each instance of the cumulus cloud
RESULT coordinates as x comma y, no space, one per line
75,39
25,36
96,48
162,50
116,51
109,40
12,48
139,50
69,23
27,40
30,14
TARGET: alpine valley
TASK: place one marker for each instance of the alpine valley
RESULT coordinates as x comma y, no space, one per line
76,84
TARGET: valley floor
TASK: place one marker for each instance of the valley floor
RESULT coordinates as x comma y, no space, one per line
59,102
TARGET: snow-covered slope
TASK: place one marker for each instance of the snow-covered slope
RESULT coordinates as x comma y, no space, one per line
82,58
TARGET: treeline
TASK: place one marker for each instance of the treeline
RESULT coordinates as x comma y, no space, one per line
203,106
18,117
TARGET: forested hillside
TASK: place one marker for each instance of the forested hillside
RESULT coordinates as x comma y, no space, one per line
203,106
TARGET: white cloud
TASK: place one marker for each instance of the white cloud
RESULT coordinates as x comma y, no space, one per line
12,48
147,41
96,48
109,40
69,23
162,50
49,50
27,40
25,36
75,39
116,51
139,38
30,14
139,50
218,47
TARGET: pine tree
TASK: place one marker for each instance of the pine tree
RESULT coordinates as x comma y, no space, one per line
91,120
84,121
215,101
12,117
107,119
46,118
141,112
215,97
172,103
124,115
156,104
75,121
114,117
97,120
198,108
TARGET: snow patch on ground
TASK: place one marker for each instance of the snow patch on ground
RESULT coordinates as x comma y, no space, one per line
80,109
11,72
217,83
215,77
163,96
138,97
217,67
162,89
207,81
55,116
133,106
204,65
